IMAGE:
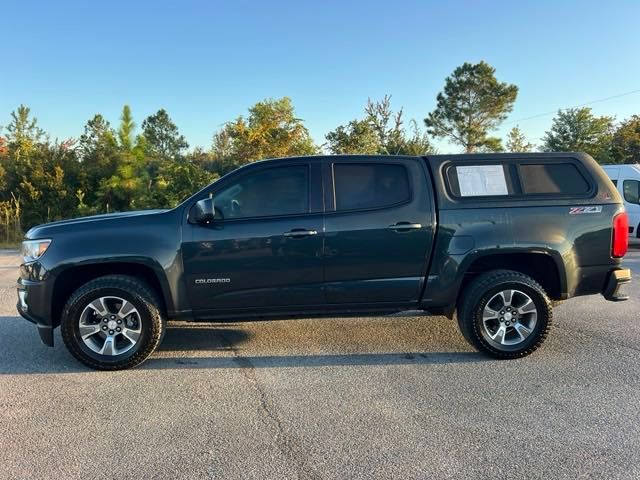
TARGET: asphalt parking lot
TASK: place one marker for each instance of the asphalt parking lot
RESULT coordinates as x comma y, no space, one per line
392,397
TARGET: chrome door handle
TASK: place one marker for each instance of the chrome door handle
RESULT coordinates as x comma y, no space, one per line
401,226
300,233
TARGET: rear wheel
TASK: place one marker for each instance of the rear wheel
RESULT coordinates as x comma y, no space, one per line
112,323
505,313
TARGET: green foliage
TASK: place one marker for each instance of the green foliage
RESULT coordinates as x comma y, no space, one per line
491,145
10,228
4,155
23,133
358,136
472,104
127,127
176,181
104,171
99,155
381,131
45,181
123,188
163,140
578,130
517,142
271,130
626,141
387,124
416,142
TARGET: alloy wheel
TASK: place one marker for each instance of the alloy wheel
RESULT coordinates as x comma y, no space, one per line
110,326
508,318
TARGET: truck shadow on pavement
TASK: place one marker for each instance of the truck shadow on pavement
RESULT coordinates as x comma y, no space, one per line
227,346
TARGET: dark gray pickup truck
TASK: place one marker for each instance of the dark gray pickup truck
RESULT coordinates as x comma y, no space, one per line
493,239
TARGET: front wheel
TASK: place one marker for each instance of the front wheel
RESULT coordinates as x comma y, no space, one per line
505,313
112,323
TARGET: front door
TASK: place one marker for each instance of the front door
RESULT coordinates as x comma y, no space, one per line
264,249
379,231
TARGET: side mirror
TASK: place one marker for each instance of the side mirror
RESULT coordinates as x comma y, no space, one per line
204,210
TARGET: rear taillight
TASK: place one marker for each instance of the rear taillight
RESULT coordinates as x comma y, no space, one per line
620,239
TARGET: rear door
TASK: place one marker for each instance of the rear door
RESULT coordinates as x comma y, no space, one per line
379,229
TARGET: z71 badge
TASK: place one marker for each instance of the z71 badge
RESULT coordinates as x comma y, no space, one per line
581,210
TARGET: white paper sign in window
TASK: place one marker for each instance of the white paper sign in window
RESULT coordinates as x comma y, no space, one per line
481,180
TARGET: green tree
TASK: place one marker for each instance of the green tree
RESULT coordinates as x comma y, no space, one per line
381,131
23,132
517,142
415,141
126,130
202,158
98,136
129,179
125,187
45,184
387,124
358,136
100,156
175,182
163,140
271,130
578,130
472,104
491,145
626,141
4,158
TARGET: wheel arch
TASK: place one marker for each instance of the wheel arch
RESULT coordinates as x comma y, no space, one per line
543,266
72,277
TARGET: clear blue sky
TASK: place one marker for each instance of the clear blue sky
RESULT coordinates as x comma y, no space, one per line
206,62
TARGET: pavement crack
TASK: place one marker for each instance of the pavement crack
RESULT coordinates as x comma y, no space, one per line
284,442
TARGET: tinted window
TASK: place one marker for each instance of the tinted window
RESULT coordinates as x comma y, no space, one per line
631,190
271,192
363,185
615,183
560,178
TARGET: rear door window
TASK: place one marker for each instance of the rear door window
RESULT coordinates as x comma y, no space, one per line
370,185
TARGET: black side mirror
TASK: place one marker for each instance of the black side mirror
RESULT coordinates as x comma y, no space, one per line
204,210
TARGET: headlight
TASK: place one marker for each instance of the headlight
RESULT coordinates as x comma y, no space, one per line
34,249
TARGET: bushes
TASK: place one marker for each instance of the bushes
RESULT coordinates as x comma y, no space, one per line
10,229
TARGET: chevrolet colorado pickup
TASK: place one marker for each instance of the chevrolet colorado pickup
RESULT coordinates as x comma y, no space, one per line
492,239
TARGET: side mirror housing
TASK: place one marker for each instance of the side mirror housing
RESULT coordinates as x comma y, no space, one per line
204,210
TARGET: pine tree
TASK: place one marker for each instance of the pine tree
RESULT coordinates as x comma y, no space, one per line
127,127
517,142
472,104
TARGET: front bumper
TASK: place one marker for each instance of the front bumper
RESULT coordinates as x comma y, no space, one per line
34,306
617,284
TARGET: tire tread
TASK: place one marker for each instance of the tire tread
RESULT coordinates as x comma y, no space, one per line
475,291
133,286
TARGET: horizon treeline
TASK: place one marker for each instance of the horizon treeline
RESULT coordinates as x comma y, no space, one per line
128,166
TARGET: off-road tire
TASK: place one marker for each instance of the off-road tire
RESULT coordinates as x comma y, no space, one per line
132,289
475,297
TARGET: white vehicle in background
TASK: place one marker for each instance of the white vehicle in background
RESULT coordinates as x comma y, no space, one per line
626,178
